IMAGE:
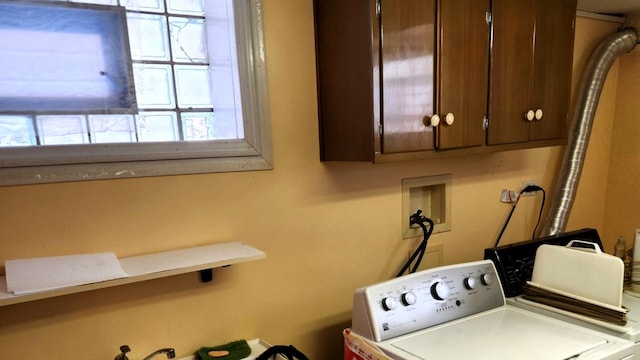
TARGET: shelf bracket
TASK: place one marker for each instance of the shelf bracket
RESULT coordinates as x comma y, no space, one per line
206,275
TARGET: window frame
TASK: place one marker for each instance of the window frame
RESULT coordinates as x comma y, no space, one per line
252,153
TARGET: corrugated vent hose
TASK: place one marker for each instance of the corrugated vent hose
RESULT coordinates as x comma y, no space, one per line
589,94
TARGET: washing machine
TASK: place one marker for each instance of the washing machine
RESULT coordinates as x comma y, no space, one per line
460,312
514,264
630,331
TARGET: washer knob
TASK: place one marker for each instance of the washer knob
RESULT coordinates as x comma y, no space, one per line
408,298
486,279
389,303
470,283
439,291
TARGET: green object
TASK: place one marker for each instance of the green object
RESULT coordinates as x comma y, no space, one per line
237,350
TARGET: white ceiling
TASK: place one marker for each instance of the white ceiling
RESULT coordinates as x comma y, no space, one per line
613,7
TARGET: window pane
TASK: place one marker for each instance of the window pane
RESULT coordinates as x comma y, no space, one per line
188,40
222,76
58,57
198,126
101,2
192,84
223,63
60,129
157,126
187,7
148,37
226,125
144,5
112,128
17,131
154,86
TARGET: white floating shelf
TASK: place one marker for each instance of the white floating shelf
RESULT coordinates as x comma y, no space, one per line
152,266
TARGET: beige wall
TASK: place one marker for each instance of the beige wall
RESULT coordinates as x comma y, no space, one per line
622,208
589,206
327,228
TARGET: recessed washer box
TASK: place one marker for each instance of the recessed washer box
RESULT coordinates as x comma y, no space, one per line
432,195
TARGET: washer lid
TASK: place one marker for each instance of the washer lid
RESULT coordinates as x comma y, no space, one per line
505,333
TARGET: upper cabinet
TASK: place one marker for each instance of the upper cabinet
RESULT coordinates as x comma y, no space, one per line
463,64
391,82
409,79
531,60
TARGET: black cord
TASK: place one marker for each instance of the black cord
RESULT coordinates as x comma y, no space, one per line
528,188
418,219
506,222
544,197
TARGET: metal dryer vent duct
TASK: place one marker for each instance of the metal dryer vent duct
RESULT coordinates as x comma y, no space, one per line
589,94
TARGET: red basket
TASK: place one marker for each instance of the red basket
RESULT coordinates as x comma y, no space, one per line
358,348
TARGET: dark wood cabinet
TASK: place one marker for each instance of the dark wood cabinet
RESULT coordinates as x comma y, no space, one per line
386,67
531,60
415,79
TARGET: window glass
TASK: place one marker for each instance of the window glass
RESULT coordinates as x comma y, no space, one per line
112,128
64,58
189,7
157,126
188,40
198,77
17,131
148,37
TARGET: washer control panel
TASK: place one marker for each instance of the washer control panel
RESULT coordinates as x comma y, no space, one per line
427,298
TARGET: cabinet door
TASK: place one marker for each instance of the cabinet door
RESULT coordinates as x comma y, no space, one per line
511,69
407,73
463,72
345,74
555,20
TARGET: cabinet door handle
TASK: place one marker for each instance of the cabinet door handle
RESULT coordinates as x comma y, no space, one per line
431,121
539,114
530,115
449,119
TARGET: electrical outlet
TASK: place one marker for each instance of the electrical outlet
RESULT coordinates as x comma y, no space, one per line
527,183
508,196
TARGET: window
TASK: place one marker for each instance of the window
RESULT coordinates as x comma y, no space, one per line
199,72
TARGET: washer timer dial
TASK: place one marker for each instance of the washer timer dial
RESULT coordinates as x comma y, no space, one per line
440,290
